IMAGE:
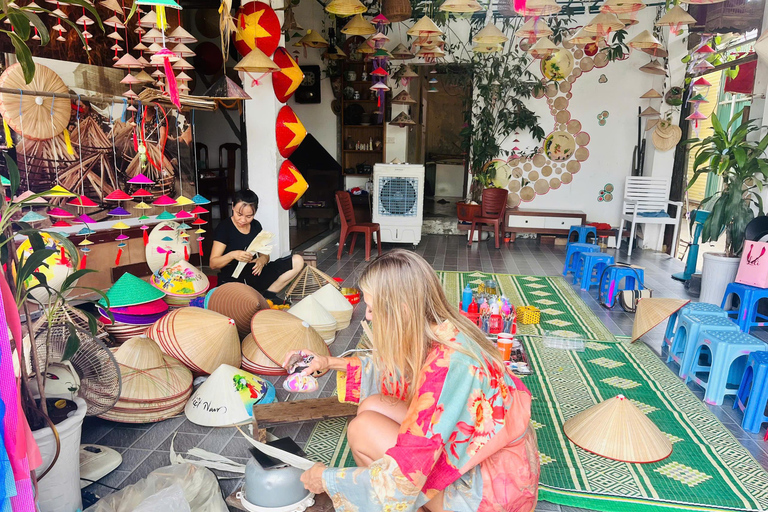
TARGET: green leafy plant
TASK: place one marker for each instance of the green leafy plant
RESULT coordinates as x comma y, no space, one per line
742,165
617,50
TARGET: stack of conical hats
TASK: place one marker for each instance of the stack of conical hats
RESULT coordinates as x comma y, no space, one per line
181,282
276,333
154,386
336,304
134,305
201,339
237,301
317,317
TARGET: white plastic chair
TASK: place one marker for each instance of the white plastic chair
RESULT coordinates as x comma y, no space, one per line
647,194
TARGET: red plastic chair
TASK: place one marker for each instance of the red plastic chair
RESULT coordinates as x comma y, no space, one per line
350,226
492,210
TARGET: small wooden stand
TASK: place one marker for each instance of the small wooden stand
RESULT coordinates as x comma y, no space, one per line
311,409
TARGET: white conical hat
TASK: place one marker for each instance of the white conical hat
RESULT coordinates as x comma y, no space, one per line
336,304
227,397
316,316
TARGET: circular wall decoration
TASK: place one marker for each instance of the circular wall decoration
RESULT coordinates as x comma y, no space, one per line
539,160
558,65
581,154
554,183
513,200
257,26
566,178
608,187
527,193
582,138
533,176
561,103
573,167
587,64
541,186
559,146
514,186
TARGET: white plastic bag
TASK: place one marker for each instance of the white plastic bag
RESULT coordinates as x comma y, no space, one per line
170,499
199,486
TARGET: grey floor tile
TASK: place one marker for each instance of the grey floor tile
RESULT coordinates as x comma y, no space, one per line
121,436
217,439
132,458
158,433
181,441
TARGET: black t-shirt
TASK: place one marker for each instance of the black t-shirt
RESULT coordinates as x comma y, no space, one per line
228,234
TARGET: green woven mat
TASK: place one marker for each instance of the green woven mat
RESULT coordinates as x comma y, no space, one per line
708,469
562,310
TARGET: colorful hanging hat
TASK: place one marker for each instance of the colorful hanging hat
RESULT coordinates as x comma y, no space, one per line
291,185
129,290
288,78
277,333
358,26
237,301
180,279
289,131
617,429
403,98
257,27
651,312
202,340
227,397
345,8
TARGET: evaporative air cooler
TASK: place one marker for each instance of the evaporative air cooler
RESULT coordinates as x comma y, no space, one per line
398,202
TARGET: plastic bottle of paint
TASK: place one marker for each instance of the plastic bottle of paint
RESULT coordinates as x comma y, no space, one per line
466,298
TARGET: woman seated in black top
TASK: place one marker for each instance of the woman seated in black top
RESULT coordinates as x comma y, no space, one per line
234,235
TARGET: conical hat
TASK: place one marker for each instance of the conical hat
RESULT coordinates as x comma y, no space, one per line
345,8
402,119
401,52
237,301
618,430
309,310
602,23
278,332
490,34
622,6
461,6
539,8
403,98
336,304
644,40
653,68
358,26
676,16
313,39
255,361
651,312
651,94
201,339
256,61
543,48
534,28
129,290
227,398
158,247
424,27
180,279
650,112
582,37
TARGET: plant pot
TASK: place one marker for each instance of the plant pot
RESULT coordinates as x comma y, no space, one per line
60,488
467,212
717,273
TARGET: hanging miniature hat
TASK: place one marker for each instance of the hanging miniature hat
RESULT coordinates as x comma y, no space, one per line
257,27
602,24
225,89
651,94
227,397
256,62
358,26
309,310
254,360
277,333
202,340
424,27
650,112
402,119
675,18
490,34
582,37
345,8
288,78
180,279
154,386
129,290
534,28
336,304
644,40
543,48
289,131
401,52
312,39
651,312
237,301
537,8
403,98
653,68
461,6
622,6
616,429
291,185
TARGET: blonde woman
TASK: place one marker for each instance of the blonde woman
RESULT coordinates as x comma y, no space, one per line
442,423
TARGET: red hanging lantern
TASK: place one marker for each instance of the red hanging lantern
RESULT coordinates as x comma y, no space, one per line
291,185
289,78
289,131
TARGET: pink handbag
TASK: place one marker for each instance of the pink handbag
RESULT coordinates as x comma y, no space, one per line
753,268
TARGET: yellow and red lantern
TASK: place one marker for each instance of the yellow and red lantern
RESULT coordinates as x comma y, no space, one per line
289,131
291,185
257,27
288,79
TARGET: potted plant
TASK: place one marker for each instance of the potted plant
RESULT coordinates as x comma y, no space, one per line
56,428
741,164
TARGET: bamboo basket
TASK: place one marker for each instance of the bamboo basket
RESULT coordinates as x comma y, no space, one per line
396,10
308,282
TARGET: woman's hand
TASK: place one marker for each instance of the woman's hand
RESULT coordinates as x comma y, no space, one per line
258,265
243,256
318,363
313,478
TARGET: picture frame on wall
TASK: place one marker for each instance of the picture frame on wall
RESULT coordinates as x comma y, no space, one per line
309,90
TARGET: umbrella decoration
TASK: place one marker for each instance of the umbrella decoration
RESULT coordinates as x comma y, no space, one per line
119,196
289,131
696,116
257,27
85,219
141,194
291,185
164,56
288,78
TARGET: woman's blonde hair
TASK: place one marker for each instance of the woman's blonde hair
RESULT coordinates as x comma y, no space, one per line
408,301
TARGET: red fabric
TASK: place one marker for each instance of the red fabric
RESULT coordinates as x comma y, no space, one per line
83,262
146,237
599,225
744,83
117,260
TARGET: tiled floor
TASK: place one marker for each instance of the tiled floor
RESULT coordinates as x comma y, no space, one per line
146,447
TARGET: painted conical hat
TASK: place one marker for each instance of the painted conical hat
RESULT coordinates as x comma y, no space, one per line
129,290
201,339
543,47
645,40
288,78
309,310
227,398
424,27
602,23
237,301
403,98
622,6
255,361
651,94
336,304
651,312
653,68
402,119
534,28
159,249
181,279
676,16
256,61
539,8
582,37
278,332
43,118
490,34
401,52
618,430
289,132
358,26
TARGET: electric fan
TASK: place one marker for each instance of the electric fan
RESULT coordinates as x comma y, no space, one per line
91,372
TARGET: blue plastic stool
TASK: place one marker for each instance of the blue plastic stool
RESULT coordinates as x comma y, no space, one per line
572,255
752,396
728,349
689,328
697,308
589,267
746,316
615,275
582,234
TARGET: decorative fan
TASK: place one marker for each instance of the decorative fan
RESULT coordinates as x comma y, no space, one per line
91,372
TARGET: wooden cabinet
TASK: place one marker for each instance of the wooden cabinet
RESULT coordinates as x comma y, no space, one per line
363,137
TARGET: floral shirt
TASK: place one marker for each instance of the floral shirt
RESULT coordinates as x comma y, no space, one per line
466,433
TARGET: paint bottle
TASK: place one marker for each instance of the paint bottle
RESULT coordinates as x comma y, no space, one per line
495,307
466,298
472,308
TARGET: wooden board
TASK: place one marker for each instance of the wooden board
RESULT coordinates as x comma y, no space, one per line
322,503
311,409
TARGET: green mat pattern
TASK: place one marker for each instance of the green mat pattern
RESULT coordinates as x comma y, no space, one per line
562,310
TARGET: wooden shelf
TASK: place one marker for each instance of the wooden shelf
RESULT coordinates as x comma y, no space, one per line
364,126
360,101
363,150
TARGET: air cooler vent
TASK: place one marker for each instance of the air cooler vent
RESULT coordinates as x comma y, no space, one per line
398,196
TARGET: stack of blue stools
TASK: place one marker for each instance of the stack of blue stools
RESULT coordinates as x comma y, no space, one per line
589,267
572,252
690,328
746,316
617,279
752,396
582,234
697,308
